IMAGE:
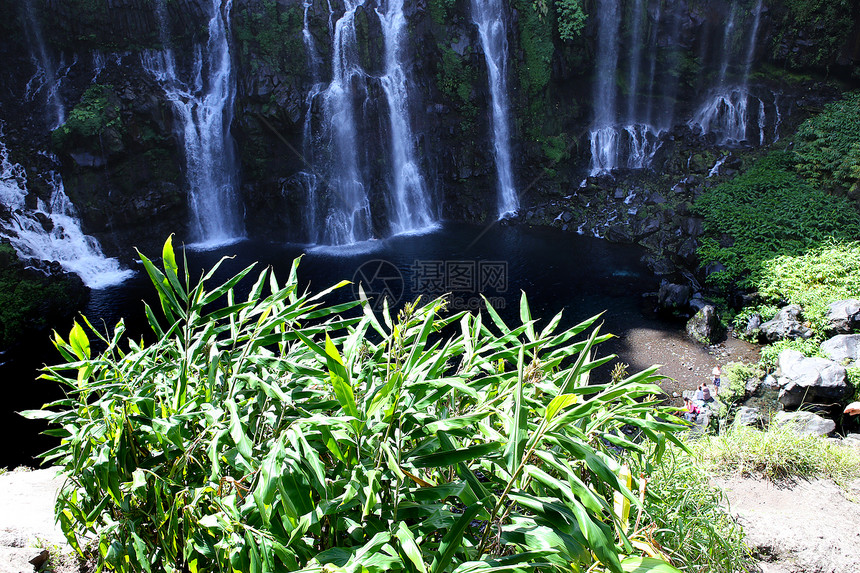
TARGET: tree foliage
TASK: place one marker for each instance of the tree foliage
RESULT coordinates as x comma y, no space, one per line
281,433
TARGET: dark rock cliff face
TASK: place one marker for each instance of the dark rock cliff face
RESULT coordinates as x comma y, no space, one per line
122,161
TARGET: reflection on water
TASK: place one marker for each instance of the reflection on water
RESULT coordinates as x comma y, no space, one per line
582,275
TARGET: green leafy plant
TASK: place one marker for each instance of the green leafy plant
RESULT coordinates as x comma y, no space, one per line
280,433
767,212
735,376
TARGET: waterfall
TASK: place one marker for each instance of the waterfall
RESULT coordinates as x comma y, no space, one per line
604,135
727,47
636,49
347,216
750,55
410,203
652,64
204,110
488,16
725,115
309,180
46,71
778,119
725,111
51,231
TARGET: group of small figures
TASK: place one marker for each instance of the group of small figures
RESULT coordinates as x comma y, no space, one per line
702,398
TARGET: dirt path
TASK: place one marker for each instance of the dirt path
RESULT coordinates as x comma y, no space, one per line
804,527
685,363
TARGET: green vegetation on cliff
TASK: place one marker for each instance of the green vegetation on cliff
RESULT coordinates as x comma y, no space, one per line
767,212
30,301
97,113
272,36
822,28
828,147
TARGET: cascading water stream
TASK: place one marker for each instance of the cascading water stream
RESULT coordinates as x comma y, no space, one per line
488,16
635,54
346,217
309,179
51,231
604,134
725,112
204,110
46,70
410,204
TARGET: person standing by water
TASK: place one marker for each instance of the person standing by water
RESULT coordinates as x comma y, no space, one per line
715,373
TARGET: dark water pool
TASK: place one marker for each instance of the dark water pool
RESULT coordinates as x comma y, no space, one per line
583,276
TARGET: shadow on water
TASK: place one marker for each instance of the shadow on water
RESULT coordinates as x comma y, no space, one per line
581,275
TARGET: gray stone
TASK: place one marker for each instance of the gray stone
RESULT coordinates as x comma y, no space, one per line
674,296
805,422
698,302
705,326
810,380
786,324
852,440
753,327
843,316
842,348
618,233
746,416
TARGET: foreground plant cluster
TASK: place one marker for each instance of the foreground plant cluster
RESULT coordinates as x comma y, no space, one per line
278,433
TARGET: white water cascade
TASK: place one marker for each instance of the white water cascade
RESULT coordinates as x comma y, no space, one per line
725,112
204,111
634,143
488,15
51,231
410,204
346,218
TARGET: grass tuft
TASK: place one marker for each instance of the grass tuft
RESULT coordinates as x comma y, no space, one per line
777,454
692,524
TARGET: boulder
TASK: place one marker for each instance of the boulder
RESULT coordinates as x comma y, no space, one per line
843,316
811,380
698,302
805,422
746,416
786,324
674,296
753,328
705,326
842,348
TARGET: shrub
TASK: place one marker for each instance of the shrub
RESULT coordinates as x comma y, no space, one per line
770,353
97,114
735,376
814,279
279,433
